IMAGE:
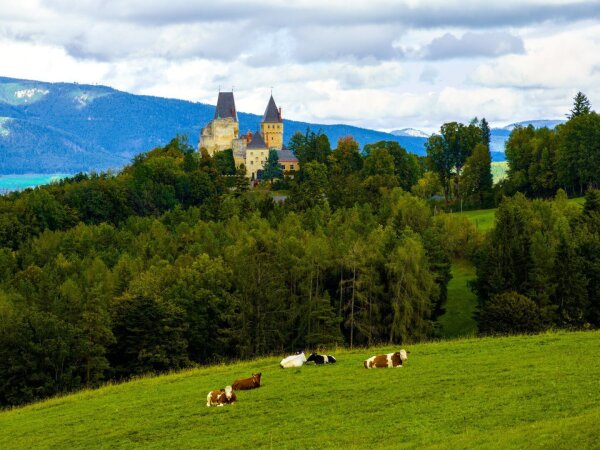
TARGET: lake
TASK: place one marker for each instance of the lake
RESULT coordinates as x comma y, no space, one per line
19,182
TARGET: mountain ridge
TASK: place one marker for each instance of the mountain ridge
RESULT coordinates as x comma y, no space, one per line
60,122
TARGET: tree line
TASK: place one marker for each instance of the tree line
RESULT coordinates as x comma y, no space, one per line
540,266
543,161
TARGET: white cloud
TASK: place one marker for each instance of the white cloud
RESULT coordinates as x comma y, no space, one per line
336,61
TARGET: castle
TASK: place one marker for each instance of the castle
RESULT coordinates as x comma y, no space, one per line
251,149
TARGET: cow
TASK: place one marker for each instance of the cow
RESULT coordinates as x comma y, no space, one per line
390,360
321,359
247,383
293,361
220,397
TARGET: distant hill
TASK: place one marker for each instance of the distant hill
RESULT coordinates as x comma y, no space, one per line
70,127
540,123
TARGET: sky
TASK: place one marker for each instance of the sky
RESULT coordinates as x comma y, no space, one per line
377,64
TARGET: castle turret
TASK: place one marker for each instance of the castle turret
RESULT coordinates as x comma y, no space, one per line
272,126
220,133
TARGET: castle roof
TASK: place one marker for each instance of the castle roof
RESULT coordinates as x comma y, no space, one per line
271,113
226,106
286,155
257,142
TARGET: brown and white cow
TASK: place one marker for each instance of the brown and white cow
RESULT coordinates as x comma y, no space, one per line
390,360
247,383
220,397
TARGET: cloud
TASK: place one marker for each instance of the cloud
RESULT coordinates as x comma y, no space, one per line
376,63
562,60
313,31
429,75
472,45
301,13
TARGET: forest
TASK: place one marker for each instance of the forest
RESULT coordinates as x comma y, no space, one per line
175,261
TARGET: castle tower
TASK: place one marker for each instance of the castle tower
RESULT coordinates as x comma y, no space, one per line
219,134
271,126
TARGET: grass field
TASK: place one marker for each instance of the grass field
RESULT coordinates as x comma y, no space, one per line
484,218
518,392
458,319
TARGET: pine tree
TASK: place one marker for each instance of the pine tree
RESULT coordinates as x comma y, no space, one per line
272,167
581,105
485,132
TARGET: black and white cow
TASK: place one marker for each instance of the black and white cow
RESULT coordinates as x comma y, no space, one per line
321,359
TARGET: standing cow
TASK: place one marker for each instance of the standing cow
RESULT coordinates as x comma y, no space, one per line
221,397
321,359
247,383
390,360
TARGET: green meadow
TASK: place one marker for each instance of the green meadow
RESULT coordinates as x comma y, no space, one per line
539,391
458,321
484,219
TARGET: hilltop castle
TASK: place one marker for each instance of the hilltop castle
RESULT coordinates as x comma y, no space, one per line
251,149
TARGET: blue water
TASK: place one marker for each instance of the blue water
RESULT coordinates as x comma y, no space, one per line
19,182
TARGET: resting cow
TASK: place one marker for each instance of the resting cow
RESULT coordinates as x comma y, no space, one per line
321,359
389,360
247,383
293,361
221,397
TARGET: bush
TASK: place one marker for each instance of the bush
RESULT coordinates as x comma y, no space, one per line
510,313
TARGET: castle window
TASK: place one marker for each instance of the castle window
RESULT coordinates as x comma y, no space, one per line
291,167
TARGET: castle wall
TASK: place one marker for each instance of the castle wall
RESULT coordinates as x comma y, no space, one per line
239,151
219,135
255,161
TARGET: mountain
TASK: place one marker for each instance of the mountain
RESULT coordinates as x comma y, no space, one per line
540,123
70,127
410,132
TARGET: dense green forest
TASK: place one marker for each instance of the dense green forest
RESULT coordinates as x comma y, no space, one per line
164,265
175,261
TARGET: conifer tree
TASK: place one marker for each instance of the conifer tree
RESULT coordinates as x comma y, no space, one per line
485,132
272,167
581,105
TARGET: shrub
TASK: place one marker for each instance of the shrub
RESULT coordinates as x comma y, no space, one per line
510,313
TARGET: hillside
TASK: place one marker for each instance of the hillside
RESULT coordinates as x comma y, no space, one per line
514,392
69,127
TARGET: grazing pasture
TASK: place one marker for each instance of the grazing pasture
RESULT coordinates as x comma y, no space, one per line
539,391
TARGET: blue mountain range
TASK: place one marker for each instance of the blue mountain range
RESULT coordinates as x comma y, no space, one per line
70,127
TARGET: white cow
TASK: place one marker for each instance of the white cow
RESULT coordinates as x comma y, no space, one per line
293,361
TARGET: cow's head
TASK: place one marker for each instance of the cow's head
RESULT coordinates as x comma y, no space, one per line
228,392
403,355
302,357
256,377
312,357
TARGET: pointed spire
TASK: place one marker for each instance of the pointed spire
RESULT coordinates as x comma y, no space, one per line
226,106
271,113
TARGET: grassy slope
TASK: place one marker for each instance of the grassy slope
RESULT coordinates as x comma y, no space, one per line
460,306
518,392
